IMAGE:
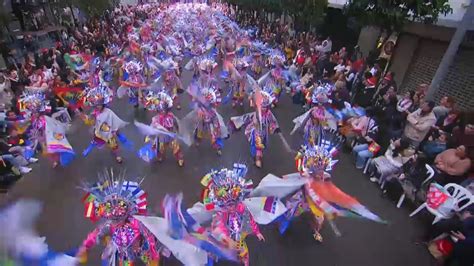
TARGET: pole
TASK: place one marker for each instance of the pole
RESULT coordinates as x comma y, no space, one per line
450,53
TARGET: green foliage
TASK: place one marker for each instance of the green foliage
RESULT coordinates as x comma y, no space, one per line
308,12
5,18
393,14
90,7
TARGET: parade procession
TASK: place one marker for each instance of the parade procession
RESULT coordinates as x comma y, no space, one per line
196,142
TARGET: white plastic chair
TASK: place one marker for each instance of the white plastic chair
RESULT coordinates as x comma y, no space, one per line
431,173
366,167
462,199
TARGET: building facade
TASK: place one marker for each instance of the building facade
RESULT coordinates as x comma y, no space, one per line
419,51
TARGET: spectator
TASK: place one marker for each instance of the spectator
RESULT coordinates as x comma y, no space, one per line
367,146
405,103
419,123
461,227
451,165
446,104
390,164
435,145
448,122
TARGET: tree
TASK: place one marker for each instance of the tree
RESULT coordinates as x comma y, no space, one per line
305,12
5,19
89,7
392,15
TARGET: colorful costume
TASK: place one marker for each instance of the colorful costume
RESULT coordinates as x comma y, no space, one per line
46,133
116,200
235,214
172,83
258,125
311,190
164,128
105,122
274,79
241,83
316,118
133,82
205,121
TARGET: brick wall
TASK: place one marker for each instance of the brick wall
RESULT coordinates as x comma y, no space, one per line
459,82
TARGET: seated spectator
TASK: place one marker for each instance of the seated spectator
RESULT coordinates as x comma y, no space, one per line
446,104
394,120
419,124
367,143
365,95
390,164
414,173
448,122
461,227
405,103
418,99
451,165
436,144
464,133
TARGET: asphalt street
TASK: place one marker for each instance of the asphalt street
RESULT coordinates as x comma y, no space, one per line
362,242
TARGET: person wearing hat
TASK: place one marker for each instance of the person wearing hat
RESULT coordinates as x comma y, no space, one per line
258,125
205,121
166,122
105,122
419,124
46,133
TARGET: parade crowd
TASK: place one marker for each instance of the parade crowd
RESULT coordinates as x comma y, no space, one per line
410,146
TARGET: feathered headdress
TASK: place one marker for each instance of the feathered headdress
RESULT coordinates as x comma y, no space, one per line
33,102
211,95
320,94
319,158
133,66
207,64
267,96
98,95
276,57
114,197
241,63
158,101
226,187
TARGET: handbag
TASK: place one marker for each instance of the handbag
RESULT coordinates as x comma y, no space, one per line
374,147
441,247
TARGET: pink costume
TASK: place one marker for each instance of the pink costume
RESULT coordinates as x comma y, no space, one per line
225,191
45,132
127,240
173,86
258,126
162,132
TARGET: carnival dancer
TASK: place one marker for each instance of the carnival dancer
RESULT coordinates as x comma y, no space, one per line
114,200
45,133
171,81
311,189
257,64
240,81
274,78
133,82
105,122
204,121
163,130
234,213
316,118
258,125
228,47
